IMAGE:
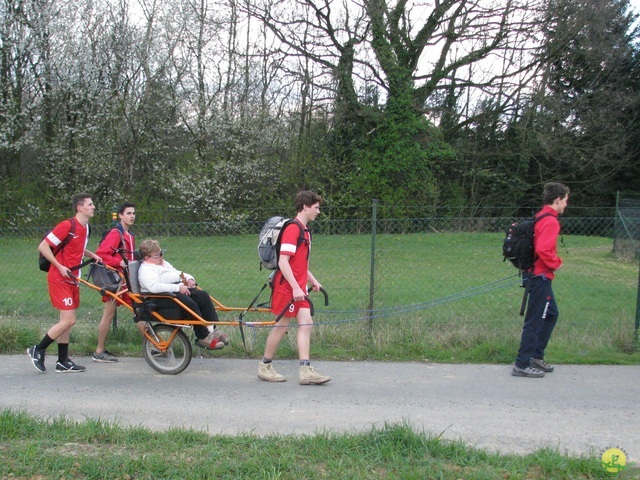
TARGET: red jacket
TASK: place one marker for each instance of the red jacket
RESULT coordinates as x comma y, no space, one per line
545,239
107,248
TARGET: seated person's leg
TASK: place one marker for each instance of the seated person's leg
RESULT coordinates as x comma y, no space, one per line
209,313
170,310
205,304
199,330
204,337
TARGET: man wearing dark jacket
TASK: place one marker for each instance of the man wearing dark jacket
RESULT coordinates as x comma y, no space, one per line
542,310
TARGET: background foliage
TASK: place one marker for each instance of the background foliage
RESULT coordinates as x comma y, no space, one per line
224,104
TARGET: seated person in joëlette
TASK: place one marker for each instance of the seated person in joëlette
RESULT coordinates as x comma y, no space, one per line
156,275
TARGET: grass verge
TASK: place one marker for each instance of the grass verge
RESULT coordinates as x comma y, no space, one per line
33,448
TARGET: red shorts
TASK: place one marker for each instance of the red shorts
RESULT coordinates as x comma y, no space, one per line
64,295
279,300
125,297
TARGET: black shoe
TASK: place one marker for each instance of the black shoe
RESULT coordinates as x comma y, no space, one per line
37,358
68,367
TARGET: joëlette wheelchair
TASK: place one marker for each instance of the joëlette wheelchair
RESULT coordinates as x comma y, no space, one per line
166,346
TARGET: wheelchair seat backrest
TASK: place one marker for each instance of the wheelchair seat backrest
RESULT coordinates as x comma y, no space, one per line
134,284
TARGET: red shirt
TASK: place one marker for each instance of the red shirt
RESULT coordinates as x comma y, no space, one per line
72,253
298,257
107,248
546,231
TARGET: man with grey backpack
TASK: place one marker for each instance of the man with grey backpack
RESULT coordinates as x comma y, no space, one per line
289,295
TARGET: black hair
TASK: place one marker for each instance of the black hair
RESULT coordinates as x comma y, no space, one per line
124,206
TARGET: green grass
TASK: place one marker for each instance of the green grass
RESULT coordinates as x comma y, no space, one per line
60,448
596,294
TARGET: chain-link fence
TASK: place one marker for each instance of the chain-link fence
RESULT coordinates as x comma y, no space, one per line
626,240
437,276
626,243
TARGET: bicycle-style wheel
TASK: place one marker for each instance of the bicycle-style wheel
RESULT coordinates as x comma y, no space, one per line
171,353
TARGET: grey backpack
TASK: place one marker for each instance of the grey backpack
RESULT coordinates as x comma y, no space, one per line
270,238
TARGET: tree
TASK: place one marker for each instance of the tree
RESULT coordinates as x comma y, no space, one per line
585,114
409,53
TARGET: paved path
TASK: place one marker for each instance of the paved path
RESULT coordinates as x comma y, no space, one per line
581,410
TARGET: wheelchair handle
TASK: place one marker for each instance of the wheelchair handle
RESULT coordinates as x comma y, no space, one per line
284,310
326,296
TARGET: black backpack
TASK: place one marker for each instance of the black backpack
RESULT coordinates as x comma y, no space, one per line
45,264
270,239
517,246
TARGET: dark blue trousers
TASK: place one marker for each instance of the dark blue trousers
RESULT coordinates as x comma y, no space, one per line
539,321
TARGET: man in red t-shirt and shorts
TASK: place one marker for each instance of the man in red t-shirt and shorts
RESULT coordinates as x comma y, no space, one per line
63,290
290,283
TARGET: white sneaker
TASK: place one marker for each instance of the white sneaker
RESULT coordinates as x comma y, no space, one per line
267,373
210,342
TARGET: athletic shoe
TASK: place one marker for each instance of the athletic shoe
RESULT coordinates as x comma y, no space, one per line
37,358
308,376
267,373
210,342
104,357
68,367
530,372
540,364
223,337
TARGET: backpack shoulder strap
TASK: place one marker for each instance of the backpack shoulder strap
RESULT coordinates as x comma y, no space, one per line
120,230
540,217
535,220
70,235
67,239
301,238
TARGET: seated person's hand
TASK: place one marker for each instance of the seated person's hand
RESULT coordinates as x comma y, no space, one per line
184,289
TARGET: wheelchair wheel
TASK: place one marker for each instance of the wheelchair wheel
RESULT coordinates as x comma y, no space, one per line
173,352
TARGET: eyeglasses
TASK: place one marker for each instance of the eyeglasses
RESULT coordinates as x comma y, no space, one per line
158,255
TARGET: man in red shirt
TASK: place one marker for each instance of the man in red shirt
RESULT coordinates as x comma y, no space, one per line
119,241
63,290
290,283
542,310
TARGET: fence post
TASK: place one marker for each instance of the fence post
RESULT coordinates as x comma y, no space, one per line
620,229
637,304
616,224
372,273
